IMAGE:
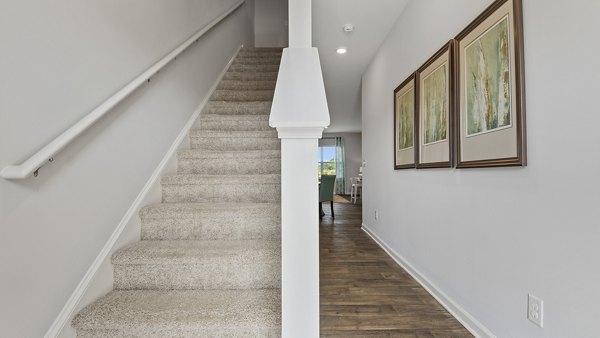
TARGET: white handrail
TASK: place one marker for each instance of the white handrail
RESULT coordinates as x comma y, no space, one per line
47,153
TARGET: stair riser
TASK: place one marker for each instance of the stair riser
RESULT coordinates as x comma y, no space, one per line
239,108
206,193
233,125
260,54
221,110
253,68
182,313
214,226
236,95
229,166
229,143
262,49
246,85
248,76
250,135
225,273
273,60
265,332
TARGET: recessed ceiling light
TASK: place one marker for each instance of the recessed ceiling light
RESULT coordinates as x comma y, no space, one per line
341,50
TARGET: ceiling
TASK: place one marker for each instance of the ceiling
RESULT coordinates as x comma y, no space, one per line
342,74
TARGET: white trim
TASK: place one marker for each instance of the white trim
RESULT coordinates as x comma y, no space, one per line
47,153
466,319
68,310
300,132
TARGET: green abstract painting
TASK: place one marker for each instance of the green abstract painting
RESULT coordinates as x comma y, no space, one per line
435,105
488,94
406,119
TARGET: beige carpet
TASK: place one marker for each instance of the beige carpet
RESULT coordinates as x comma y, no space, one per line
209,260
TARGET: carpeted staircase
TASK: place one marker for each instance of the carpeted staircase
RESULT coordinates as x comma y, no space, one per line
209,262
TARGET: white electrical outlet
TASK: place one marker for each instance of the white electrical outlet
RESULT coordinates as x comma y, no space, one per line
535,310
376,214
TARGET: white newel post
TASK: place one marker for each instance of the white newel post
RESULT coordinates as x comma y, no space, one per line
300,114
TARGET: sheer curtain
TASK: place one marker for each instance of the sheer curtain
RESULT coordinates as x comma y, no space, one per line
340,166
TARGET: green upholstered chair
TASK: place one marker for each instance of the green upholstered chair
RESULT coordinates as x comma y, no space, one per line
326,192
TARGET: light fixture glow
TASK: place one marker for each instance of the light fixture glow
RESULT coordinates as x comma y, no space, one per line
341,50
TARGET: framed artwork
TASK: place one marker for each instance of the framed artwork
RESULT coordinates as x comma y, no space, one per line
404,124
435,110
490,89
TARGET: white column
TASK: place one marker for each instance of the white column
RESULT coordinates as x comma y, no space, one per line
300,237
300,113
300,23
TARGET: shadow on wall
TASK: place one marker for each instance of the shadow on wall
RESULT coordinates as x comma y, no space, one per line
271,23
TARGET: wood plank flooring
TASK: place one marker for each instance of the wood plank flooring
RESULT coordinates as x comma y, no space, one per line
364,293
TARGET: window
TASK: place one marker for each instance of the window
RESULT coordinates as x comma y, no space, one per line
326,160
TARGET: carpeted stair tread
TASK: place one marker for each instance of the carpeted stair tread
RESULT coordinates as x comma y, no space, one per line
247,85
197,188
165,210
182,264
234,124
258,60
238,67
231,140
261,49
239,108
245,95
183,313
196,133
245,154
251,76
221,221
262,52
236,117
246,122
267,55
189,179
245,162
195,251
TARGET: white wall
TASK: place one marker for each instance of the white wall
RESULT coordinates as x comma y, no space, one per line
488,237
270,23
60,60
353,148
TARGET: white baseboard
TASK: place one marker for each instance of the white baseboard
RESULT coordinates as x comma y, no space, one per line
466,319
130,220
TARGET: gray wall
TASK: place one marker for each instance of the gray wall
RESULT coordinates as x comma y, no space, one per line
270,23
60,59
488,237
353,147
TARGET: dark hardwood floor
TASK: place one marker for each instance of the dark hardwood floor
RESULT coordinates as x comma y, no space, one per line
364,293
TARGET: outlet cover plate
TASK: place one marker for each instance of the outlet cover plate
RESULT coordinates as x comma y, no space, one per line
535,310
